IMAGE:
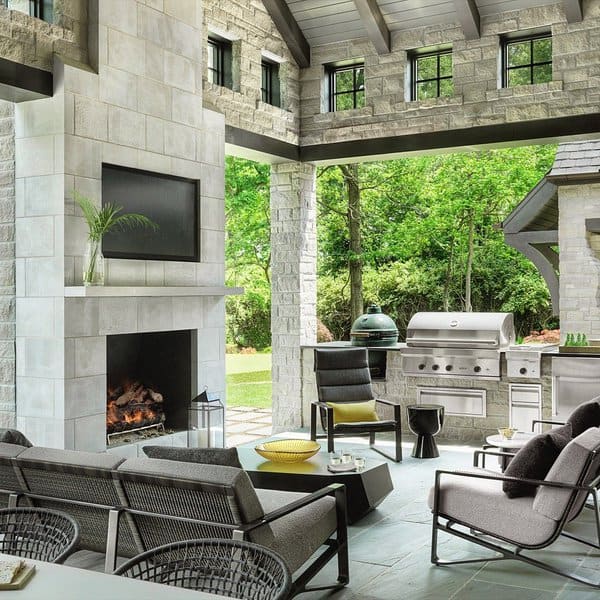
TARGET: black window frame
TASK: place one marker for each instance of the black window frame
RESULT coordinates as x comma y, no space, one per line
36,8
414,72
333,93
269,82
506,42
221,71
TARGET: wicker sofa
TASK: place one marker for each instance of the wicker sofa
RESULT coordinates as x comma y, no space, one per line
125,507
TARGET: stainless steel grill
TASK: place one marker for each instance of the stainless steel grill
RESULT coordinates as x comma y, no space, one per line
457,344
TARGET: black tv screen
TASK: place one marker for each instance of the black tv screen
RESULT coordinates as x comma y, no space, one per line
171,202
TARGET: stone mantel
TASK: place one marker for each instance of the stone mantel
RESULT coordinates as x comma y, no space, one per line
80,291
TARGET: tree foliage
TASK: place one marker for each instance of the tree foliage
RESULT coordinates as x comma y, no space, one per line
429,235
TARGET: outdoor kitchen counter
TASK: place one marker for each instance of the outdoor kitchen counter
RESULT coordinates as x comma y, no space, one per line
493,396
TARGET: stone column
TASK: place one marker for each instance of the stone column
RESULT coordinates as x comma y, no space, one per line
579,260
293,284
7,265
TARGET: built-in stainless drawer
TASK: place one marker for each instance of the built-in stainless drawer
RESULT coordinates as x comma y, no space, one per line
525,404
576,380
458,402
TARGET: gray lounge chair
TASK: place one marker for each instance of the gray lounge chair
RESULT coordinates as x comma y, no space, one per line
471,504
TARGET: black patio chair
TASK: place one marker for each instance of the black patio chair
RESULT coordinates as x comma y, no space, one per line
38,533
230,568
343,376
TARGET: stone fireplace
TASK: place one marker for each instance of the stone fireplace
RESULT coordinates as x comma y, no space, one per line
70,339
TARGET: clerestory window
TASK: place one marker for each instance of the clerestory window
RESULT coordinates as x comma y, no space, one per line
527,60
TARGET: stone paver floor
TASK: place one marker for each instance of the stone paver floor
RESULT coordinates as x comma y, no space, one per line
246,425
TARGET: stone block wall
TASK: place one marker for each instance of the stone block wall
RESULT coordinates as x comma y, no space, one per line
33,42
7,265
251,28
477,99
579,260
142,109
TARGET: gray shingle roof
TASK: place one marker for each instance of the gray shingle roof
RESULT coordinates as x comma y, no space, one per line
577,158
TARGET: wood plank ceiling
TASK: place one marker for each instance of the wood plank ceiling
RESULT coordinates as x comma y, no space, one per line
326,21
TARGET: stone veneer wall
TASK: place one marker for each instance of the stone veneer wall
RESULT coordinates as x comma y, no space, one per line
293,284
143,109
7,265
403,390
249,24
579,259
477,99
33,42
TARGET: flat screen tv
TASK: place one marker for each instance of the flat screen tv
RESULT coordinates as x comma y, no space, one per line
171,202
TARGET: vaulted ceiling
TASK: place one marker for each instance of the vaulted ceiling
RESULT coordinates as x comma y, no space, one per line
306,23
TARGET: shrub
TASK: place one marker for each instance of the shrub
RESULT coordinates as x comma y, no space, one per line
249,320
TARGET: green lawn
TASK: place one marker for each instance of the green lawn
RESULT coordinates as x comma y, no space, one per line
248,380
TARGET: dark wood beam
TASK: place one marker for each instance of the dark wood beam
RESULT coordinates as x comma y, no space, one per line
290,31
261,143
503,133
573,10
373,20
468,15
20,83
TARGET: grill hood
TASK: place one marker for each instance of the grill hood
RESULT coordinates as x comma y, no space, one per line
495,331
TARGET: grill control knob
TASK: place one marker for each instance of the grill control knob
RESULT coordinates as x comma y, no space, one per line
477,369
435,367
522,370
421,366
448,367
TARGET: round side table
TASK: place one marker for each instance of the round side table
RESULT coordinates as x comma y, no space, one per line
511,446
425,421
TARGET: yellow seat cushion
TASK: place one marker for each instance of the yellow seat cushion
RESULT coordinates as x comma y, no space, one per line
353,412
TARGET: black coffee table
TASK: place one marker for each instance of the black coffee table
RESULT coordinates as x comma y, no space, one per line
364,490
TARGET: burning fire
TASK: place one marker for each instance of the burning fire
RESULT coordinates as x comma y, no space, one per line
132,405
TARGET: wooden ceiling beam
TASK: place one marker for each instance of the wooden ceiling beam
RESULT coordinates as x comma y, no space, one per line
573,10
468,15
290,31
373,20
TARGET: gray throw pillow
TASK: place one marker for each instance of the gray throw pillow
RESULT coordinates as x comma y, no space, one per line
225,457
12,436
585,416
534,460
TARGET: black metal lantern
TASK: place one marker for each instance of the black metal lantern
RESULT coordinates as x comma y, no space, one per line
206,417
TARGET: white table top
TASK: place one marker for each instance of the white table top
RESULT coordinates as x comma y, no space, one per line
59,582
518,440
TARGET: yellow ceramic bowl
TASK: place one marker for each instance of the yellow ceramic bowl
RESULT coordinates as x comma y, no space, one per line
288,451
507,432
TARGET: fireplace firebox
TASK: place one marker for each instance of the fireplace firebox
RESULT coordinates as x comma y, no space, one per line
149,382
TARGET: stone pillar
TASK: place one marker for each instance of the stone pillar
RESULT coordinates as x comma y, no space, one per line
7,265
579,260
293,284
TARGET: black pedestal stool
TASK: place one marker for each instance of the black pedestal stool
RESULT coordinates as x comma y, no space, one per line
425,421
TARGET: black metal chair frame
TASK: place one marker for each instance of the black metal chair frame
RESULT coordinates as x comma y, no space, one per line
164,565
24,528
326,414
510,550
337,545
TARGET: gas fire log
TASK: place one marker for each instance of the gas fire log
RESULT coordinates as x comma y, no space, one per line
133,406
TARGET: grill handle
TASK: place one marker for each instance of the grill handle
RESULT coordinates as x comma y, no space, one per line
446,342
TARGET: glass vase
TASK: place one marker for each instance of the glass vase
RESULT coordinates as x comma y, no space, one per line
93,263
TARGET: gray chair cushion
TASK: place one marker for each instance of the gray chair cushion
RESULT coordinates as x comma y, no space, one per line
74,458
12,436
298,535
343,374
481,504
568,468
534,460
246,505
585,416
226,457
